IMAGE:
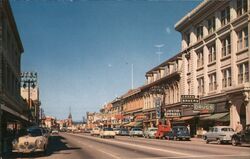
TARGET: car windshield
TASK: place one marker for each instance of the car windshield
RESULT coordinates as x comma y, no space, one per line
136,129
108,129
182,129
124,129
153,129
34,132
227,129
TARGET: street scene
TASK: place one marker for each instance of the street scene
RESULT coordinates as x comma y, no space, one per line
124,79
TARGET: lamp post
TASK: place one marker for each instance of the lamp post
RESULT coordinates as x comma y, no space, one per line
29,80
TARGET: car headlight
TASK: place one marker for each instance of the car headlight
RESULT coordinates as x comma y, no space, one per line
14,142
39,143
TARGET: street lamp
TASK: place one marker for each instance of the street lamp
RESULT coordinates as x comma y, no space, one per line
29,80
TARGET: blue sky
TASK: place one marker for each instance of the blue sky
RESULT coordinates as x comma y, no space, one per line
83,50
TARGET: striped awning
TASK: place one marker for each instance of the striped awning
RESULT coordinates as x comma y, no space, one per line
216,116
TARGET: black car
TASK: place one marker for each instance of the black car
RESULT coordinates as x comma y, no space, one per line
242,138
178,133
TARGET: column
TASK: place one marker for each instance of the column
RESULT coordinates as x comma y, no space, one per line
1,137
206,79
234,71
248,113
234,116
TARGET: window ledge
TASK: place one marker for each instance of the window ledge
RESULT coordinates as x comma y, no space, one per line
200,68
225,57
211,63
242,50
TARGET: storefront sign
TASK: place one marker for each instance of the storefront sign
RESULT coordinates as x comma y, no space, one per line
204,107
189,99
173,113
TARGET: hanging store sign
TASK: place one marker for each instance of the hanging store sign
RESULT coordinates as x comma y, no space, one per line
189,99
204,107
173,113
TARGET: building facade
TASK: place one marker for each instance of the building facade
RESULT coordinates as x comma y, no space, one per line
216,55
13,110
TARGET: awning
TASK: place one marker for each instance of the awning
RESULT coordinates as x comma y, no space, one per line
186,118
226,118
215,116
134,124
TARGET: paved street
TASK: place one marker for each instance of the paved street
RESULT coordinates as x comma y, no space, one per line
87,147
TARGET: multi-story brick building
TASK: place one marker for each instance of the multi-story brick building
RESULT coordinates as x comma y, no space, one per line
13,110
216,55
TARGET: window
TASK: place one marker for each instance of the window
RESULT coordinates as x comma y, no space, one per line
226,78
241,7
211,25
200,85
225,16
189,87
242,39
199,32
226,46
200,59
212,82
212,53
243,73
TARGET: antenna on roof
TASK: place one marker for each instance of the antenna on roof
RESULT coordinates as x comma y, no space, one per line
159,52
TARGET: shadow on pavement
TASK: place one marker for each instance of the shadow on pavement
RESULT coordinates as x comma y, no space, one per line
56,145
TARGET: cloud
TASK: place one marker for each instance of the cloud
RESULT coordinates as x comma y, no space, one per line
168,31
109,65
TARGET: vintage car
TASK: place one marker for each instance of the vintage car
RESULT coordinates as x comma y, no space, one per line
220,134
30,140
178,133
135,132
117,130
242,138
123,132
150,132
95,132
107,132
54,132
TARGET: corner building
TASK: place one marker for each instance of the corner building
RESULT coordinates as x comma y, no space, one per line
215,56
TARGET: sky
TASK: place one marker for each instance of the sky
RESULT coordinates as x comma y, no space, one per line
84,50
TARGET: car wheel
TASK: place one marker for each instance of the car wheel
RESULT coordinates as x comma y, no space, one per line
234,142
219,141
207,141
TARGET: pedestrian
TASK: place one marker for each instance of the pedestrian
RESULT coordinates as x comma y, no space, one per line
238,127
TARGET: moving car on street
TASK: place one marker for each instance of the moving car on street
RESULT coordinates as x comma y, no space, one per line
107,132
95,132
150,132
123,132
242,138
178,133
135,132
30,140
221,134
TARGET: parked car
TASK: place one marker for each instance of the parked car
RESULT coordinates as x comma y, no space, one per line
76,131
178,133
150,132
242,138
95,132
135,132
107,132
221,134
123,132
117,130
30,140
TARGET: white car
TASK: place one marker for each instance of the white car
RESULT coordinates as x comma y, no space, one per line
135,132
220,134
95,132
150,133
107,132
30,140
117,130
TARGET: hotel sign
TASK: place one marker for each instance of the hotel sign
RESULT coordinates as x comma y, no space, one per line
173,113
189,99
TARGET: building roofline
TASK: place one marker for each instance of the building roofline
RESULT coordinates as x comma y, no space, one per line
178,26
164,63
7,8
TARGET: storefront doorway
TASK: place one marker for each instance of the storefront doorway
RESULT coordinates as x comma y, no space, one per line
243,115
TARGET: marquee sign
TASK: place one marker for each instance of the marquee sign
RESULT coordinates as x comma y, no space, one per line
173,113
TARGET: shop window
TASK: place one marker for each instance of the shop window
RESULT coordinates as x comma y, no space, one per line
200,85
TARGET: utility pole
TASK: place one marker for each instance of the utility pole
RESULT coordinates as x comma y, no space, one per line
159,52
132,76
